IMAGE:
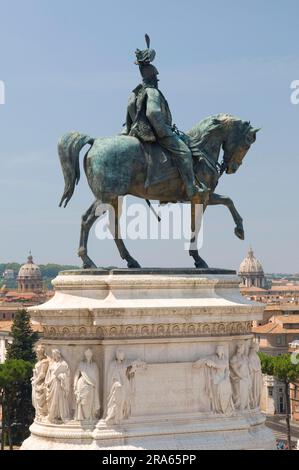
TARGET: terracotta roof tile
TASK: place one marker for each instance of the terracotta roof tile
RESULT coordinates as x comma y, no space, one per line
283,307
274,328
5,325
287,318
267,328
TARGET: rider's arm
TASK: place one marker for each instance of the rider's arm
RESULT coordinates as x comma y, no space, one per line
155,115
131,112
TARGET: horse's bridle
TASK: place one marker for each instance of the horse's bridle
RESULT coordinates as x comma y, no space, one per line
215,166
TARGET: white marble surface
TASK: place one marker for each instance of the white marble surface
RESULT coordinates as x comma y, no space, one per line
163,346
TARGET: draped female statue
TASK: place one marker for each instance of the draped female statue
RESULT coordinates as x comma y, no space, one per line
240,378
255,370
57,385
217,379
86,389
38,383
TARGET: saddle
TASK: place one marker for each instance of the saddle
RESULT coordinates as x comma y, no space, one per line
160,165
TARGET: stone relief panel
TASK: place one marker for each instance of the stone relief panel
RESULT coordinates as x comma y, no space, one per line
52,387
169,388
211,383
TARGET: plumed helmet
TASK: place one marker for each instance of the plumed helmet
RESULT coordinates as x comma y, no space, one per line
145,56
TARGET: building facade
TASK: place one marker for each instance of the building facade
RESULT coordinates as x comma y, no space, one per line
278,329
8,274
275,337
5,338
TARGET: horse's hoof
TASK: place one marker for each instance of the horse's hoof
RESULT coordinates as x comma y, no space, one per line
201,265
239,232
89,264
133,264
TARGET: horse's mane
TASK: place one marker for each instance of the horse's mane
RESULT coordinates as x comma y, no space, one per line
202,131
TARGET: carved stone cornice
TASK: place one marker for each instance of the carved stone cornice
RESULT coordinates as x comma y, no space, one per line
160,330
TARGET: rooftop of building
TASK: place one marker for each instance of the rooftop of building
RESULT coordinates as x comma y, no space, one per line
6,325
10,296
277,324
286,318
290,307
272,289
274,328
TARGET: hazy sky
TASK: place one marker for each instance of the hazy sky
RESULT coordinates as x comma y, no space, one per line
69,65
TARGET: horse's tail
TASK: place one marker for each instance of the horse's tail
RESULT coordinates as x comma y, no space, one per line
69,148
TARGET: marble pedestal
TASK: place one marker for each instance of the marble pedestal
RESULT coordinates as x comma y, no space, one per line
162,323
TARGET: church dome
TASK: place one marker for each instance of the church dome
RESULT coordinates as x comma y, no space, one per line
251,272
251,265
30,276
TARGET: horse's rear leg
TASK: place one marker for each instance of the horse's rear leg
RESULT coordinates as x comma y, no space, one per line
196,217
115,230
88,220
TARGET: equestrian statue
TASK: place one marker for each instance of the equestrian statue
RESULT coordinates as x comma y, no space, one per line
153,160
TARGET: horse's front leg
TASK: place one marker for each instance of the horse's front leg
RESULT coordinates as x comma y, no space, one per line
217,199
114,219
197,211
88,220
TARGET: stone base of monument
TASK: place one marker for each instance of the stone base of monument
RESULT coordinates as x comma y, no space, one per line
172,365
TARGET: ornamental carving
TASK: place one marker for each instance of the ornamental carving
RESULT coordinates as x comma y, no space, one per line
148,331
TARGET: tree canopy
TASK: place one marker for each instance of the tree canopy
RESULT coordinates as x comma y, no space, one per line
13,371
15,382
280,366
23,338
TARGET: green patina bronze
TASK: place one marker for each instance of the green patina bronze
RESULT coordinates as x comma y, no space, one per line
152,160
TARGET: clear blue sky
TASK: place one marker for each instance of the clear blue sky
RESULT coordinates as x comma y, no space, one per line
68,65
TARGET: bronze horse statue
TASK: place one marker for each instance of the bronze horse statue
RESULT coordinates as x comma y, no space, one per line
117,166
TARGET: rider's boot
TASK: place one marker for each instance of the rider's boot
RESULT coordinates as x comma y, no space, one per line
186,171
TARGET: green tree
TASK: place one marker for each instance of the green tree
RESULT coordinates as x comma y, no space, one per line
13,374
23,337
50,271
286,372
21,348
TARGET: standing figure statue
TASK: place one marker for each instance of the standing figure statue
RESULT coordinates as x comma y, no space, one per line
256,377
86,389
240,378
218,384
38,383
57,384
149,120
120,388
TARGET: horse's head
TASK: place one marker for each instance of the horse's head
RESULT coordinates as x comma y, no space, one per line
237,143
